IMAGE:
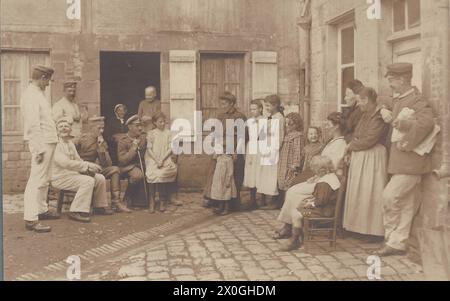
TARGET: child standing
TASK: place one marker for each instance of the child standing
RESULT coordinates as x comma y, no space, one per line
268,183
223,187
161,170
291,154
252,160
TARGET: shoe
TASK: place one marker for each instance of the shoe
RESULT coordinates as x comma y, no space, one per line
77,216
295,241
273,204
388,251
103,211
284,233
151,208
162,206
120,208
49,216
37,227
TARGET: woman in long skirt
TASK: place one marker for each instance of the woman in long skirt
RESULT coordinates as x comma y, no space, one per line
367,173
252,160
268,180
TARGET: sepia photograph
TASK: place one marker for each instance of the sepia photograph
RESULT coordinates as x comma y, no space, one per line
215,141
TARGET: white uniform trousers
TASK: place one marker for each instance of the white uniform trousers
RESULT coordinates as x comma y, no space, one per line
35,196
87,189
399,208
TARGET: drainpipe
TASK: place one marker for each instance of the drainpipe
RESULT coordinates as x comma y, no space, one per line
444,171
304,24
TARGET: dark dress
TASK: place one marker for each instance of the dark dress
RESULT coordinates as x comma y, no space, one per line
114,128
239,163
325,201
352,118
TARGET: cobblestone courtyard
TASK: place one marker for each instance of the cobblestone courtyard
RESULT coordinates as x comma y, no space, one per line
232,248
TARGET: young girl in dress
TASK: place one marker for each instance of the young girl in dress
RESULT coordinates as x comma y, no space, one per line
268,183
252,160
291,154
161,171
223,187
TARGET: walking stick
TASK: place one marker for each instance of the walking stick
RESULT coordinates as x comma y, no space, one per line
143,171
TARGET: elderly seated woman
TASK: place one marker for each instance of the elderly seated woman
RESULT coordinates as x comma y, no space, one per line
314,198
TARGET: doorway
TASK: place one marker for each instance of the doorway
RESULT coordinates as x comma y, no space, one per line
124,77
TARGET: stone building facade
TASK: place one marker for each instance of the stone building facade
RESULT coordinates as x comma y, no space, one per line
191,50
353,39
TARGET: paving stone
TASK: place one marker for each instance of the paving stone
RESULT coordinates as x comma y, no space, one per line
317,269
295,266
182,271
276,273
305,275
342,274
186,278
326,258
134,279
157,269
325,277
271,264
352,262
158,276
132,270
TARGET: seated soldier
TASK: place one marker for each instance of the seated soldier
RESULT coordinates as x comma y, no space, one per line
70,172
130,153
93,148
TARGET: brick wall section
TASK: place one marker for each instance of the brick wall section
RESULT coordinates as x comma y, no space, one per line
16,160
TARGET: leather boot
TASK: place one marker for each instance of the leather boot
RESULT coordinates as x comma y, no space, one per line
273,204
261,202
284,232
295,241
253,204
281,198
226,209
116,205
163,206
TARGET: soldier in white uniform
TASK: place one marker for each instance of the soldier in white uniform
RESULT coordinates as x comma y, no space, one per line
40,132
70,172
68,108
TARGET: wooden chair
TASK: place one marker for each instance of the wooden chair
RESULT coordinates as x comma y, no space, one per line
326,228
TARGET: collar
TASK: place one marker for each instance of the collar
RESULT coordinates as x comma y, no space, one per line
407,93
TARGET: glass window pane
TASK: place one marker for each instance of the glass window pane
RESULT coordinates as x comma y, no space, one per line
348,74
348,45
399,15
413,13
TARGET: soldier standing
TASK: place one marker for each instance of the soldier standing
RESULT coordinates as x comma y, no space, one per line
405,165
68,108
93,148
40,132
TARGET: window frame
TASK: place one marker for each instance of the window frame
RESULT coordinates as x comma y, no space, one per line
340,66
406,12
24,81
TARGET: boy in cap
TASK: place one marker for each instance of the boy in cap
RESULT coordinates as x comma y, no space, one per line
130,154
406,166
40,132
93,148
70,172
67,107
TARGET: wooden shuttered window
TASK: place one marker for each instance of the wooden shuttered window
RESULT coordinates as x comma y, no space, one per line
183,86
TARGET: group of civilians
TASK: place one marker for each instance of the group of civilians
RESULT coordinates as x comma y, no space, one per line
377,152
137,149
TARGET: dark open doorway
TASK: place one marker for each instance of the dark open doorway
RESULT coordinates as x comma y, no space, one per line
124,77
